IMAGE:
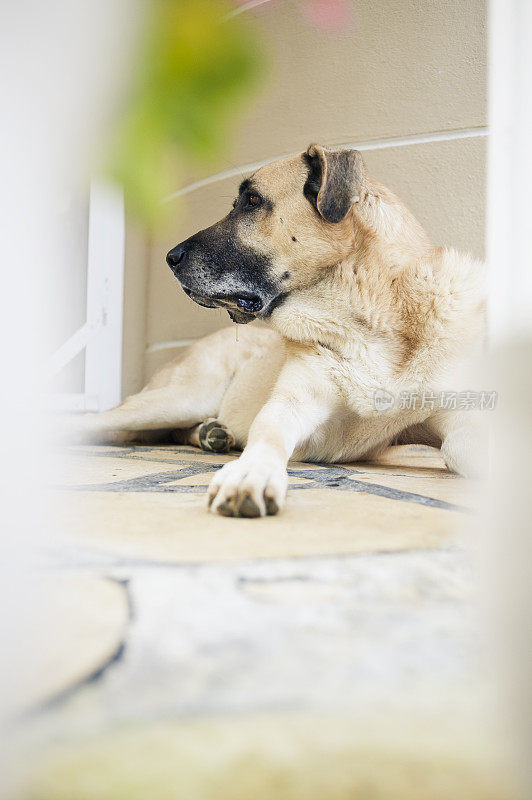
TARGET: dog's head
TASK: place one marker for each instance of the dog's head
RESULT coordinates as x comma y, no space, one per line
288,223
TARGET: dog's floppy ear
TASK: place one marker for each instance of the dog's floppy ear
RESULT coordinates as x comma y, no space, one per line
334,180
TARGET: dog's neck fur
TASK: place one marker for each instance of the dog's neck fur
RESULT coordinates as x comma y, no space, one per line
393,286
383,225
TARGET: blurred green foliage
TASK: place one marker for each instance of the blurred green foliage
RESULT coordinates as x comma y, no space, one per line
194,69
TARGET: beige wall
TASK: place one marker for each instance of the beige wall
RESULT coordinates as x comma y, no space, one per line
405,67
137,255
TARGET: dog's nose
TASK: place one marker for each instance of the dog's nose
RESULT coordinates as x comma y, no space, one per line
176,256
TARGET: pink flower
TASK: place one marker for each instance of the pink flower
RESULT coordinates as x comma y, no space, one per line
329,15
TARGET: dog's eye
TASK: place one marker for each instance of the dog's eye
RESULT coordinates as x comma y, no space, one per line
254,200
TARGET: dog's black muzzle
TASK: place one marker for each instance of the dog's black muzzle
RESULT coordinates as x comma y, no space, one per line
217,271
175,256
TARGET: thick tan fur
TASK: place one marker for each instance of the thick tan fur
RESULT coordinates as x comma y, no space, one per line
370,304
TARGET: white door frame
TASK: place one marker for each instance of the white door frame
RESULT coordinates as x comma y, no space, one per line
101,335
509,170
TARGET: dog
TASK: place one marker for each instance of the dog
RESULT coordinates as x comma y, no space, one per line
361,311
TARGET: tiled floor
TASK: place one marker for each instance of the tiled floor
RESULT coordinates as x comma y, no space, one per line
149,503
191,655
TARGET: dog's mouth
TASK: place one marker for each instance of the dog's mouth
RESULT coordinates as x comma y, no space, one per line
242,307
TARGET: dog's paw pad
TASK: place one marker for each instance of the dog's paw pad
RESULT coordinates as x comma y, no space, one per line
214,437
248,508
226,509
271,506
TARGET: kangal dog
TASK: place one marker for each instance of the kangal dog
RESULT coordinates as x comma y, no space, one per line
362,311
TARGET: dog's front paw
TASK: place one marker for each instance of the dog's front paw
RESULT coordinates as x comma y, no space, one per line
251,486
465,451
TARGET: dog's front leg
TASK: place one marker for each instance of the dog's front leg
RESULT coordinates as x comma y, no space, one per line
464,438
255,484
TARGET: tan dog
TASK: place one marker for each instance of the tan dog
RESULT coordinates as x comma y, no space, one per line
363,312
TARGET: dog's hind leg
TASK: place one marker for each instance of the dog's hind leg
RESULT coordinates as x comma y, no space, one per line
155,410
181,395
211,435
